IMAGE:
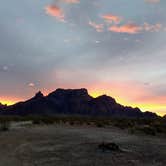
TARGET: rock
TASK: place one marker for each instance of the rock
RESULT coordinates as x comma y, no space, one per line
38,95
109,147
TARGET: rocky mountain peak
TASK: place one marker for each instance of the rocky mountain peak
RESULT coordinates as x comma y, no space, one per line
82,93
105,98
38,95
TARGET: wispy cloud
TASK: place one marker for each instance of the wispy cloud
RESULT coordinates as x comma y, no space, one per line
127,28
31,84
71,1
97,27
110,18
152,28
55,11
152,1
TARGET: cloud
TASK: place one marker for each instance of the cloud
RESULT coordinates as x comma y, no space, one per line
71,1
110,18
55,11
152,1
152,28
5,68
98,27
127,28
31,84
133,28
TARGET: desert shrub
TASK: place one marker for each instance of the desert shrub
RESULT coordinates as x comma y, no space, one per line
36,121
160,127
43,120
147,130
132,130
48,121
57,121
71,123
123,123
111,146
99,124
78,122
88,123
4,126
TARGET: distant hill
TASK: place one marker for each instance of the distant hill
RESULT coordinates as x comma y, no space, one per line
73,102
2,106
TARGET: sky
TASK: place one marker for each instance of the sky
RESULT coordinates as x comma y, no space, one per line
109,47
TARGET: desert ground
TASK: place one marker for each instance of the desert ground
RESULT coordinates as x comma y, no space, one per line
65,145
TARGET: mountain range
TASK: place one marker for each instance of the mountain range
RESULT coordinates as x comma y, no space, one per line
73,102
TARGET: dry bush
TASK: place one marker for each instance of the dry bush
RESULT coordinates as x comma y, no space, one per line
4,126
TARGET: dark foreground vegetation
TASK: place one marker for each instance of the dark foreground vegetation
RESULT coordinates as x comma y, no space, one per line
154,127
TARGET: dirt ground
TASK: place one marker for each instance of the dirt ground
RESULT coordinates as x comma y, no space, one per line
59,145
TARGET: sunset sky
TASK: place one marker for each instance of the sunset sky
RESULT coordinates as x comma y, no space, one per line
113,47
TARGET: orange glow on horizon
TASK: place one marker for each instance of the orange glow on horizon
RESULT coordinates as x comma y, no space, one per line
152,107
9,101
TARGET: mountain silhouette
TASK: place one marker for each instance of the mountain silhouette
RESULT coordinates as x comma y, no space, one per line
73,102
2,106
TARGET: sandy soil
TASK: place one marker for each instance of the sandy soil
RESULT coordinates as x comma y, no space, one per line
78,146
